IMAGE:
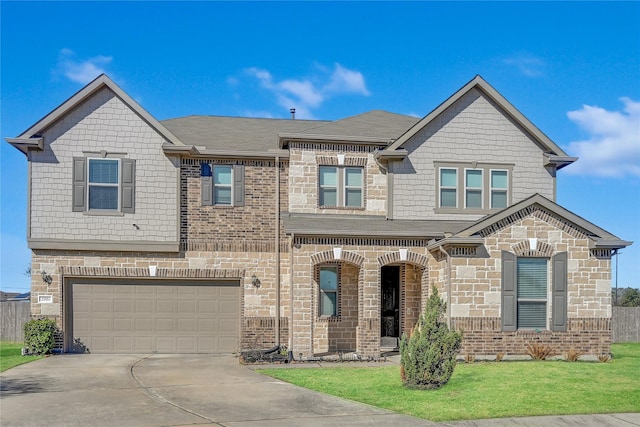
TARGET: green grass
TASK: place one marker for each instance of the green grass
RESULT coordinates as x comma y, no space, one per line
489,389
10,355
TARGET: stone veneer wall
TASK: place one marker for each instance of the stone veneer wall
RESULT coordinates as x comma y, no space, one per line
303,177
361,258
476,282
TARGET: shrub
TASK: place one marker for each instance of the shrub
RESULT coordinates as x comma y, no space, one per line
572,355
539,351
39,336
428,355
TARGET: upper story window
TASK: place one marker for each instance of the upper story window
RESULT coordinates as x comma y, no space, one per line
340,186
472,188
222,185
103,185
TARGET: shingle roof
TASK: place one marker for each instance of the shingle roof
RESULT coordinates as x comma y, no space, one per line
368,225
234,133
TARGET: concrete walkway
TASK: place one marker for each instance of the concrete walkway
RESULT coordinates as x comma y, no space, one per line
180,390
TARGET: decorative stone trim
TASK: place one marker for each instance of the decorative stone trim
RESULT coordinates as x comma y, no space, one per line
348,161
314,146
538,212
138,272
329,256
359,241
463,251
602,253
543,250
231,246
197,162
394,258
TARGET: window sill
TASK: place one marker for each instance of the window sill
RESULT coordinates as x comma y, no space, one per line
102,213
343,208
467,211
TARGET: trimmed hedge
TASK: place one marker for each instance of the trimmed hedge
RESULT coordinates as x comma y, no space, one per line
39,336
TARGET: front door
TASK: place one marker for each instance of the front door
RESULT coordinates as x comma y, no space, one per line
390,301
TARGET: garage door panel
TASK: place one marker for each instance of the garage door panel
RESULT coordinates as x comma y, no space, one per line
180,317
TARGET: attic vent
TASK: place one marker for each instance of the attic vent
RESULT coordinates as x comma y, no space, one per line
293,113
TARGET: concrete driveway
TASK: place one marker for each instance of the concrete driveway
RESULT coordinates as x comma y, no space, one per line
180,390
169,390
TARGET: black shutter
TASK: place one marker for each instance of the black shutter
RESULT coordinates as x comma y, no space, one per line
128,198
206,185
559,293
79,187
238,185
509,292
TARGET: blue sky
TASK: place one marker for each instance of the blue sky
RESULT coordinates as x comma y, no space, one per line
572,68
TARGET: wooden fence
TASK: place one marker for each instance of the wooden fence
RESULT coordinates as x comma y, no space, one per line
626,324
13,316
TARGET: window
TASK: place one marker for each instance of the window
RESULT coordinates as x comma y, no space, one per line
103,185
221,185
472,188
499,179
340,187
328,291
448,188
531,285
525,292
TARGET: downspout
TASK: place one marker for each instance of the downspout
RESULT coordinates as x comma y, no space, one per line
448,284
277,249
291,263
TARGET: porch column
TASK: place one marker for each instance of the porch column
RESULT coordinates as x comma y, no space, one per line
368,331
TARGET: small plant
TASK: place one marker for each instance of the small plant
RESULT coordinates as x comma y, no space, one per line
428,355
470,358
539,351
604,358
500,356
572,355
39,336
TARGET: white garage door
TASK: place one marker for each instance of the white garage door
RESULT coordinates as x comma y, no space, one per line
188,317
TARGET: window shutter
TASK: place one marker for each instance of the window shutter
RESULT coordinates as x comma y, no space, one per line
238,185
559,294
509,295
79,190
128,195
206,185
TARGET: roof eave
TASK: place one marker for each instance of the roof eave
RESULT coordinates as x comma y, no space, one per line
609,244
193,151
27,144
473,241
399,154
558,162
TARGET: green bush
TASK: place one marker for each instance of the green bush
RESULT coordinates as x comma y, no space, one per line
428,356
39,336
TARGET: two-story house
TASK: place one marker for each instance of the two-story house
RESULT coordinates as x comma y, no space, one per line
216,234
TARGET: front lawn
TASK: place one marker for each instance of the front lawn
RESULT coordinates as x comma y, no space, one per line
489,389
10,355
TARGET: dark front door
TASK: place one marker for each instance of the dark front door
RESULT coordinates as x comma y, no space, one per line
390,304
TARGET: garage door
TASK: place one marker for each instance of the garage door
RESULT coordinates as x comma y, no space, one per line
152,317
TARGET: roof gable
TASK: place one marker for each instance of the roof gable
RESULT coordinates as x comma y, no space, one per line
31,138
600,237
555,153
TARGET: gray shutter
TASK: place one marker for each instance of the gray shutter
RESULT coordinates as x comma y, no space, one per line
79,190
559,293
509,294
128,181
238,185
206,184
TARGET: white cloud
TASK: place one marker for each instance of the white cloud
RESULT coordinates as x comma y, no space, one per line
81,71
305,94
613,146
527,64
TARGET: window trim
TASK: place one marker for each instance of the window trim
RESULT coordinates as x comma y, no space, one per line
492,189
118,185
539,301
467,188
461,188
341,186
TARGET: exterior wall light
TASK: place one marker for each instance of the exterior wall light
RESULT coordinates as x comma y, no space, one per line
255,281
46,277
